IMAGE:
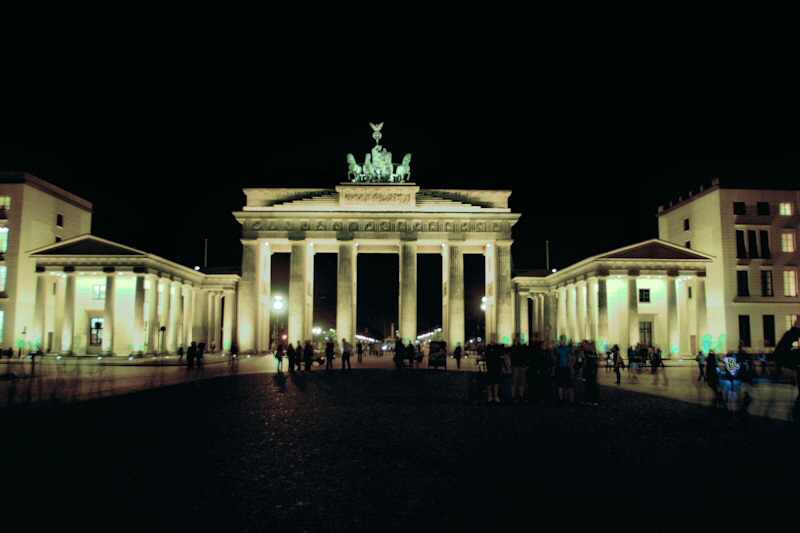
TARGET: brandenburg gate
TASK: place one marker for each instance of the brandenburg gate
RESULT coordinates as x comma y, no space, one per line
378,211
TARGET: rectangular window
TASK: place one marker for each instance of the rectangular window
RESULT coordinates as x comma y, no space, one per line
685,224
752,244
98,292
644,295
95,331
742,285
769,330
3,274
785,209
741,248
646,333
3,240
688,244
5,202
766,283
762,208
739,208
60,221
763,237
790,283
2,323
788,242
689,295
744,329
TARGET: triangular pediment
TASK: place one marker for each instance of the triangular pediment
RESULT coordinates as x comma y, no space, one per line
87,245
655,249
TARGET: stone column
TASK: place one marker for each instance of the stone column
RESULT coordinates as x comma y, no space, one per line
346,292
454,332
408,292
602,310
701,312
581,311
561,316
68,334
164,319
591,315
173,320
217,337
572,312
108,319
137,335
38,334
524,327
491,302
248,297
633,310
297,293
504,293
152,316
188,315
58,312
549,307
673,338
227,322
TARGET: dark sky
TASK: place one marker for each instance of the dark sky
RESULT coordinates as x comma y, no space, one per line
590,143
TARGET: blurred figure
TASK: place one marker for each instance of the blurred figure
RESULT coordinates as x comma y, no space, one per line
712,379
591,391
562,374
292,356
308,354
457,355
616,358
786,357
701,363
518,357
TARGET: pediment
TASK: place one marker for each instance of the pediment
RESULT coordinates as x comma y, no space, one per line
655,249
87,245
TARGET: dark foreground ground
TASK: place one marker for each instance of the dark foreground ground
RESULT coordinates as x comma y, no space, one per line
371,451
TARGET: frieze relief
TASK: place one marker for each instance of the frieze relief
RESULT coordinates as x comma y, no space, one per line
392,225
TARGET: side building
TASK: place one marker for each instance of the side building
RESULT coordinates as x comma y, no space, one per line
33,213
752,236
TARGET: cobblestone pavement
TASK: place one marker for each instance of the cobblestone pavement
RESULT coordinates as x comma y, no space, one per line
370,450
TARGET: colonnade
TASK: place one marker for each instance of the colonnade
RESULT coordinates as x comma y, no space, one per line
255,288
161,315
608,309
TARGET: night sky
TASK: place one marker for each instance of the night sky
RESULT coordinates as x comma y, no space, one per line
590,143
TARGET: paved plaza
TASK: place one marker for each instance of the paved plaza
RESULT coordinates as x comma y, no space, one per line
149,446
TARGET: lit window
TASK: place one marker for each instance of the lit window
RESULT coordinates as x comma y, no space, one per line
3,274
787,242
785,209
790,283
98,292
3,240
5,202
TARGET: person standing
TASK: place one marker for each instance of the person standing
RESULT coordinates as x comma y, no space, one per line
279,358
494,368
308,354
562,373
518,357
329,351
701,363
591,391
191,353
712,379
346,348
360,350
457,355
292,356
617,361
180,354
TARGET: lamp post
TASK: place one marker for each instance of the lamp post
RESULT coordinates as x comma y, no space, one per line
278,305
